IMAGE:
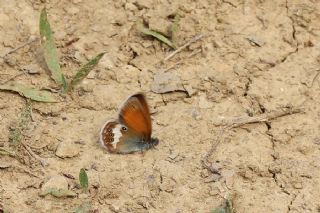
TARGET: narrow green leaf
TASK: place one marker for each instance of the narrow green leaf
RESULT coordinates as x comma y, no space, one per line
157,35
49,48
33,94
84,70
65,84
85,207
219,210
83,178
175,25
58,193
225,208
175,28
17,132
4,151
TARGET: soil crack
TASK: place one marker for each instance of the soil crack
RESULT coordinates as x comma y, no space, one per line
296,49
291,202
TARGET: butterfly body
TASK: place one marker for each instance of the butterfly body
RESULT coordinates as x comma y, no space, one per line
131,131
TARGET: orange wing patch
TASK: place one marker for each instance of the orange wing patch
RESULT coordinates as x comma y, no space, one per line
136,116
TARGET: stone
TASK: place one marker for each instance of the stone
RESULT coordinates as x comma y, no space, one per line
130,7
31,69
67,150
204,103
55,182
190,90
141,4
83,196
106,62
166,82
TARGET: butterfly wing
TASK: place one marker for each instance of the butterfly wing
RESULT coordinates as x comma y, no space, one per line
135,114
117,138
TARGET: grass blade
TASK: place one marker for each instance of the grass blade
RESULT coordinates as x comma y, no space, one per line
175,25
65,84
83,178
157,35
33,94
84,70
4,151
49,48
175,28
85,207
16,133
225,208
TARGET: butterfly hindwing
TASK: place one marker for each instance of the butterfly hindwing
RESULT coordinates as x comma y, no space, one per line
109,135
131,142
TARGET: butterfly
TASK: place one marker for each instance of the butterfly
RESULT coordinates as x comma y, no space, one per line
131,131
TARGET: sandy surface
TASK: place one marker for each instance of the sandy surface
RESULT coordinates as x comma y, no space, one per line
257,57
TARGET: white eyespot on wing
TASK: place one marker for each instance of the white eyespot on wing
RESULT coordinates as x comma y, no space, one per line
116,135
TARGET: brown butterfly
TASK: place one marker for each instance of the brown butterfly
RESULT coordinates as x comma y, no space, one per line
132,130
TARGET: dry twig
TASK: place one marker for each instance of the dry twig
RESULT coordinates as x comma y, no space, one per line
34,155
4,151
205,160
25,170
12,78
194,39
182,60
19,47
314,78
264,117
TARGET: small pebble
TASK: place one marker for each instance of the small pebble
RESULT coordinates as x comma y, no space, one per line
67,150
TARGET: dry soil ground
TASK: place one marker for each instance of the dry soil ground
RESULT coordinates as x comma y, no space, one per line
256,57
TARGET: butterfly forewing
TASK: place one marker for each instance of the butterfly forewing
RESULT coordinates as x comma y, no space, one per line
136,116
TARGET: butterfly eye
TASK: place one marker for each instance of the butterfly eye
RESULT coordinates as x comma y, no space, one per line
111,139
124,128
111,134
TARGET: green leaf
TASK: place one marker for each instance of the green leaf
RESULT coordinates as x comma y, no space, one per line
175,28
225,208
83,178
58,193
65,84
49,48
17,133
219,210
84,208
4,151
175,25
33,94
84,70
157,35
